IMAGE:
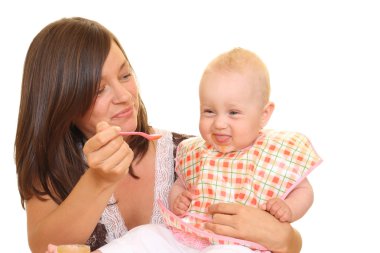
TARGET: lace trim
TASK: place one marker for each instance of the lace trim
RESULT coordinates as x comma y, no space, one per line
164,175
113,220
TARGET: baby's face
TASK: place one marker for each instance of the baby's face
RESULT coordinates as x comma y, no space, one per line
231,111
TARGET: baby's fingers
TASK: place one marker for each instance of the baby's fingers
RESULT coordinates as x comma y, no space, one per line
188,195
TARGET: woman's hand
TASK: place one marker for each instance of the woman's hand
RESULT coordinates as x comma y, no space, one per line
253,224
108,155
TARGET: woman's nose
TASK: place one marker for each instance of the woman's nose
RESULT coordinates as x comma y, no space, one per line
120,93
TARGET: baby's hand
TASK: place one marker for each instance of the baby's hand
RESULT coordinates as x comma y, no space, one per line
182,203
279,209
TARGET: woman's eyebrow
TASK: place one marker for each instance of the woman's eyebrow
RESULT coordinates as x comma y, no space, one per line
123,65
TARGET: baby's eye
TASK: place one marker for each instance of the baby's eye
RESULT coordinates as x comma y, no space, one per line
207,111
234,113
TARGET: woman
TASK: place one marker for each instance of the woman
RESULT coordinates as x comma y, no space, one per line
79,179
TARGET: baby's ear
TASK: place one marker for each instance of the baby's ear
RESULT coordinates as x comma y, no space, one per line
267,113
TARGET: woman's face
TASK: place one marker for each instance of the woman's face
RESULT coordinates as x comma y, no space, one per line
117,98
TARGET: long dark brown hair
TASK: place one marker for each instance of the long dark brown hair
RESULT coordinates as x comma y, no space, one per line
62,72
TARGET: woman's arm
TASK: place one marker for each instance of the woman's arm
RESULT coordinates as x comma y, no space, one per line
73,221
254,224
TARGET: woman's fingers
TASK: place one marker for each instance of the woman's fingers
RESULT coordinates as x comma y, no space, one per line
99,157
236,220
252,224
228,225
105,133
120,160
221,229
224,208
226,219
107,154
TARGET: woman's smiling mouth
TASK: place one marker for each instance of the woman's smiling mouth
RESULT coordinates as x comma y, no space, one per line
124,113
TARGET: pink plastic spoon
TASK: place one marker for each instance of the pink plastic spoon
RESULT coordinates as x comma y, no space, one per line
151,137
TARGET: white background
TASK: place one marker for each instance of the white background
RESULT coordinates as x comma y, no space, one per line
323,58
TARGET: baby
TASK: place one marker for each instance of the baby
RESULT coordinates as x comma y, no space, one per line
237,160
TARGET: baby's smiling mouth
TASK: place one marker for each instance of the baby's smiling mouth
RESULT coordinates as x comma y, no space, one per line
221,139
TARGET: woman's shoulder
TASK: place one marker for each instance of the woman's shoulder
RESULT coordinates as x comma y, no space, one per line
178,138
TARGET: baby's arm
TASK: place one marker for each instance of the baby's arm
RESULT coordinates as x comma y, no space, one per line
294,206
179,198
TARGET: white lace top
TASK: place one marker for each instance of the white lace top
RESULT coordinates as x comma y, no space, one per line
164,178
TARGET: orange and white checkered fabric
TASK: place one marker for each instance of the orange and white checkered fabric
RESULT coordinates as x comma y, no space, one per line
270,168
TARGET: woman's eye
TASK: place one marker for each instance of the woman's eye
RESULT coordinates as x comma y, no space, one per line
100,90
126,76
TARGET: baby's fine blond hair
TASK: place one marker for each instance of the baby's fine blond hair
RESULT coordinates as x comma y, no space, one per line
246,62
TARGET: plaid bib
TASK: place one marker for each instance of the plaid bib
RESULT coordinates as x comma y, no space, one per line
271,167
